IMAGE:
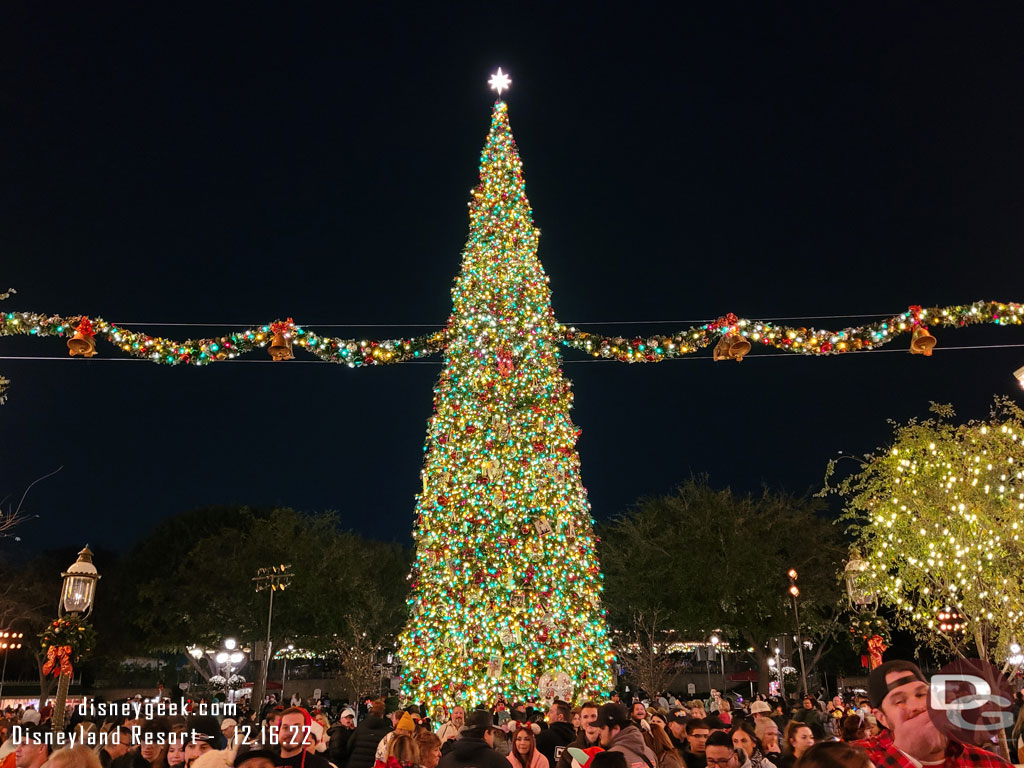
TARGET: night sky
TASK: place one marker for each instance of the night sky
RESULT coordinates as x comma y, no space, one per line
237,163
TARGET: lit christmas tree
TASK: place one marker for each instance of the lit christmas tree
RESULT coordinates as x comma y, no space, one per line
505,596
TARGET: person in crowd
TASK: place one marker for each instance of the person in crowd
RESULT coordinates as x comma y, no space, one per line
587,736
152,754
28,753
657,717
697,733
575,720
767,733
559,733
403,724
722,754
475,746
175,753
78,756
1017,735
725,711
898,693
854,728
296,738
449,731
339,735
618,734
744,737
810,715
797,740
780,714
677,731
697,710
525,753
403,752
118,742
714,723
665,752
638,714
430,749
834,754
367,735
255,758
760,710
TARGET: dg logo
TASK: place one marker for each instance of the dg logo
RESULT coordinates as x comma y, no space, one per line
971,700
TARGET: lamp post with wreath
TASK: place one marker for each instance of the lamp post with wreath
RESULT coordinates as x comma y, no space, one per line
68,639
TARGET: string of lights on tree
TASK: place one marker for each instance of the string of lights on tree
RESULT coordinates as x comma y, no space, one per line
505,595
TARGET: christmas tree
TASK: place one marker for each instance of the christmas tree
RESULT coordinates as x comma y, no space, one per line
505,592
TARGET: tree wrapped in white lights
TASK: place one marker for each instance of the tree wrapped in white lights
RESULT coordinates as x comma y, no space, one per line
940,517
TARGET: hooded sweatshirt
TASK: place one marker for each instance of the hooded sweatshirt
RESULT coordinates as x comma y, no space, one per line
554,740
471,752
630,742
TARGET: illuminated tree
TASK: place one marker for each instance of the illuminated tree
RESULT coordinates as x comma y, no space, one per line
506,585
939,516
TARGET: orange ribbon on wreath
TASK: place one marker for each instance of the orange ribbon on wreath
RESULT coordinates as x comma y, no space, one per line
876,647
58,661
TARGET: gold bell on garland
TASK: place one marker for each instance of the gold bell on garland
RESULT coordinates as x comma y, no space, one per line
83,343
281,346
732,346
922,342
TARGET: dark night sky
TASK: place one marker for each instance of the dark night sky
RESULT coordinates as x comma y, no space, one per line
236,163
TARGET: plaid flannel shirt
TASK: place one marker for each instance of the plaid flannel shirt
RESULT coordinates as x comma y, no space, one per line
884,754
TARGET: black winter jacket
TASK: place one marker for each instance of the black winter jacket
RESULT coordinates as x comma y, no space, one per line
472,753
364,741
551,742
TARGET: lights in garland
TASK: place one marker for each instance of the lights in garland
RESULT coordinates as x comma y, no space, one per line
731,330
279,336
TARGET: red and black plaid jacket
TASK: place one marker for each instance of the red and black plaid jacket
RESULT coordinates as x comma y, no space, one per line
884,755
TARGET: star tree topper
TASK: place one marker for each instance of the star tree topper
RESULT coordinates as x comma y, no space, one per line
499,82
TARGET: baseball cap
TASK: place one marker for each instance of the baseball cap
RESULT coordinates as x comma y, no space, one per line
759,707
679,717
612,714
347,712
878,688
228,722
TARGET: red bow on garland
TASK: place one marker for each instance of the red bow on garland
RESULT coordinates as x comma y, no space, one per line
58,660
876,647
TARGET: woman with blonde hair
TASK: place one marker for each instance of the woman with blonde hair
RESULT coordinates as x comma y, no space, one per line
78,756
402,752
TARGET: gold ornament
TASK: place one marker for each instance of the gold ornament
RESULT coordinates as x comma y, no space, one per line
280,348
732,346
921,342
82,345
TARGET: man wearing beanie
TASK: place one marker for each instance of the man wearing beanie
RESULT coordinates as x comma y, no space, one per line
898,693
618,734
475,746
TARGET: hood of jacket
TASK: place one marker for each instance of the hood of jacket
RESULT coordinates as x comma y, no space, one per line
466,748
630,739
564,731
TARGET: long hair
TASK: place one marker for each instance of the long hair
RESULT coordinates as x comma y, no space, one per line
748,728
525,762
834,754
404,749
662,743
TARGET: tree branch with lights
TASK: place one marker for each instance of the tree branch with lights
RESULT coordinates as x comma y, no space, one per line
939,515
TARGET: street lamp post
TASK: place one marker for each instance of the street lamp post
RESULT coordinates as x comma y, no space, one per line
794,590
275,578
76,600
229,658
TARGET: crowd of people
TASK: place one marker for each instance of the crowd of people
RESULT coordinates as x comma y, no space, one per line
887,726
